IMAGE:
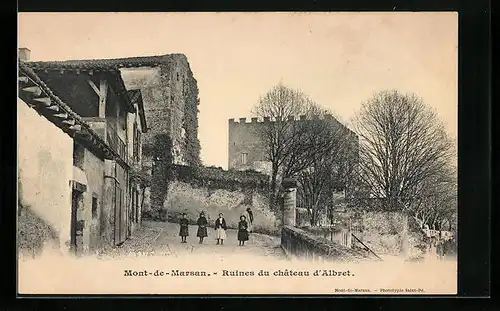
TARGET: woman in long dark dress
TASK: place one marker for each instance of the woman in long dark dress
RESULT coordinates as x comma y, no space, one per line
184,228
242,231
202,227
250,219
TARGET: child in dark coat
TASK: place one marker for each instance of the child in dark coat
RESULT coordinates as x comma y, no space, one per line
242,231
184,228
202,227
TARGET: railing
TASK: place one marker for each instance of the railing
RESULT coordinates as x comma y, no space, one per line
438,234
115,142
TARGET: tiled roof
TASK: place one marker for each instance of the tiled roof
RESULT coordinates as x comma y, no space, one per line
95,139
26,70
105,64
111,67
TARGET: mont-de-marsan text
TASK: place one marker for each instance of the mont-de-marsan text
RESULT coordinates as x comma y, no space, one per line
162,273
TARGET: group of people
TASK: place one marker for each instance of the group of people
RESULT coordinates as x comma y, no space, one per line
244,228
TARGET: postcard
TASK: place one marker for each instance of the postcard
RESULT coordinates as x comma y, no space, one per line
237,153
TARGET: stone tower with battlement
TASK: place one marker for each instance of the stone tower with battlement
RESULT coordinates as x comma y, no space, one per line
246,149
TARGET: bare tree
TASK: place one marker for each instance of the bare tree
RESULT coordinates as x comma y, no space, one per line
438,205
279,104
404,148
327,150
306,142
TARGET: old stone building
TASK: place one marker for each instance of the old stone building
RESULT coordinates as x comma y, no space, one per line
246,149
170,95
79,148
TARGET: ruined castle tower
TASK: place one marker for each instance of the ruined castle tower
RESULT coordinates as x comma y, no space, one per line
246,149
170,95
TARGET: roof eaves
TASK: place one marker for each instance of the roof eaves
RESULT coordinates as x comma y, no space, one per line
111,63
28,72
64,65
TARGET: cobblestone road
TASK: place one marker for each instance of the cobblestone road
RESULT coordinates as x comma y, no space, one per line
162,238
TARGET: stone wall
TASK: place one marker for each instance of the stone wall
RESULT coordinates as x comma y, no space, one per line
94,171
45,168
381,231
384,232
191,199
298,243
213,190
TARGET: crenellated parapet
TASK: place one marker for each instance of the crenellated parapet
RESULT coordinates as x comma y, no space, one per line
259,120
246,145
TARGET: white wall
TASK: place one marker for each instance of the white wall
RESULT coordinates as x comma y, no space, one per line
45,168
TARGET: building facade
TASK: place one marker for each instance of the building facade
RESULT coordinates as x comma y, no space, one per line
246,148
169,94
79,150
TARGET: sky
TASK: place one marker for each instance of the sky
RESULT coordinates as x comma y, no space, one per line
338,59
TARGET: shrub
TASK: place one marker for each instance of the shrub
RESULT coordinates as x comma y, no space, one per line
33,232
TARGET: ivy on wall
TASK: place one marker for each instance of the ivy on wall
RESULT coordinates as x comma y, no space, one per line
190,121
164,172
217,178
161,153
173,73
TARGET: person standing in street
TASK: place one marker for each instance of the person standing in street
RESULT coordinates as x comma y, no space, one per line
220,229
184,228
250,219
242,230
202,227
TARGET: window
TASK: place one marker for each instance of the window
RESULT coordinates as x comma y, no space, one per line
135,143
177,76
94,207
78,155
122,118
244,159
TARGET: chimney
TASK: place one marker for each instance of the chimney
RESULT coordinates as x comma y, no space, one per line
24,54
266,119
254,120
291,118
243,120
303,117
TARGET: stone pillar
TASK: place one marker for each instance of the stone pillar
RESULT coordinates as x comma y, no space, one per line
289,202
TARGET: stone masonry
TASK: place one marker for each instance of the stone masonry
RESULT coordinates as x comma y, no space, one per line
170,95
